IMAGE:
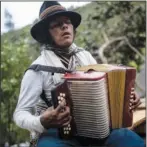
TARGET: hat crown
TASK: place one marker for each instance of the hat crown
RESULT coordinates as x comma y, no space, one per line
47,4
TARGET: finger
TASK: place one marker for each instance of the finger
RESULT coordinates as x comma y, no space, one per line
60,107
64,114
131,97
131,101
63,102
61,122
136,105
66,123
136,99
136,102
65,120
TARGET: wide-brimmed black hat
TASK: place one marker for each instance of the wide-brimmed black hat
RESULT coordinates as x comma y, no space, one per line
48,11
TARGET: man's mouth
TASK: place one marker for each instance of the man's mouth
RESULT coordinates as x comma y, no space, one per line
66,33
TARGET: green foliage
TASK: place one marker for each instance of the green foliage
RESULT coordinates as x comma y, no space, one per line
107,21
15,59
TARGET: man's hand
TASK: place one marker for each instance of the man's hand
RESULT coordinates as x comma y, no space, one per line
56,118
134,101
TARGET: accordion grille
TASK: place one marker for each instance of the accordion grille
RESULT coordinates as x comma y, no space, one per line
90,108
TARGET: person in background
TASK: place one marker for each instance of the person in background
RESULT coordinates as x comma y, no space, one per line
55,31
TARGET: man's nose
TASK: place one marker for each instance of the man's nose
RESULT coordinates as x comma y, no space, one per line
64,25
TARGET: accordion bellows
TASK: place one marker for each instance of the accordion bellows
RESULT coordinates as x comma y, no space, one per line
121,83
98,96
90,104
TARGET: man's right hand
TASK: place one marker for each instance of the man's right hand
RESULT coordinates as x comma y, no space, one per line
56,118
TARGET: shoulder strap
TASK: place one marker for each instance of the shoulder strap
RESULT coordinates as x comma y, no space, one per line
43,97
38,67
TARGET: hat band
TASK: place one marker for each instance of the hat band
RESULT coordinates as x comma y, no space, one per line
51,9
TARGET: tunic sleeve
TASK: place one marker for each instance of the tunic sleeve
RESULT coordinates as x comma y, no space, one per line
31,88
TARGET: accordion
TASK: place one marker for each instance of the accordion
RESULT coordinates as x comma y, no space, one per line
98,97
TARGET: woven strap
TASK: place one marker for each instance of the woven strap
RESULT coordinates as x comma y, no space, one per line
38,67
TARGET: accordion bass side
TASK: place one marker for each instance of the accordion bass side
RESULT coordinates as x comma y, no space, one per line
98,96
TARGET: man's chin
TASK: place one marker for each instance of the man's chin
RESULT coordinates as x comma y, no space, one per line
66,44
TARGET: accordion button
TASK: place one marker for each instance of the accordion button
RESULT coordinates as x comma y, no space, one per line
132,88
63,94
59,97
59,102
69,128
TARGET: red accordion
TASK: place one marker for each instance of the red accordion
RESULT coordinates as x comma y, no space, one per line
98,96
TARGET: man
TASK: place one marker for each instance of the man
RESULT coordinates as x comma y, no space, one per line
56,32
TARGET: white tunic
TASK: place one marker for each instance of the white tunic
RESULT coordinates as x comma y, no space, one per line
32,85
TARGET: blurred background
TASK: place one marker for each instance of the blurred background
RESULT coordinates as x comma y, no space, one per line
114,32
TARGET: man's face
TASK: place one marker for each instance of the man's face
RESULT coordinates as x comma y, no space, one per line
62,32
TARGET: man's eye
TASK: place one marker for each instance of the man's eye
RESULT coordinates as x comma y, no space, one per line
68,21
54,25
57,24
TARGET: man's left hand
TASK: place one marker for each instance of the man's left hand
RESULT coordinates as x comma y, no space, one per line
134,101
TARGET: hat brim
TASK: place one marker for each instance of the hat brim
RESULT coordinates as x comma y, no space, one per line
40,29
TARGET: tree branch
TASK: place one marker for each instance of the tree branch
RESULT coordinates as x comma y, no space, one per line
134,49
100,51
104,46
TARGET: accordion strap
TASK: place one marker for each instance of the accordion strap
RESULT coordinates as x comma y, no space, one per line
38,67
